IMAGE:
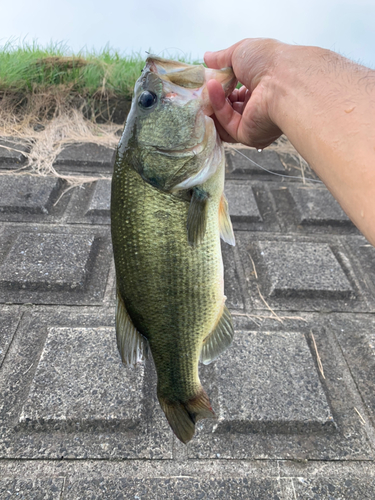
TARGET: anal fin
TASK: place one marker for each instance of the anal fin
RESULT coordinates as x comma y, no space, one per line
219,339
225,224
197,216
131,344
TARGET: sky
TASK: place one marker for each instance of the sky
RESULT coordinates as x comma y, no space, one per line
191,27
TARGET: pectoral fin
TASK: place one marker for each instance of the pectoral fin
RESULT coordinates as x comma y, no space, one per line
197,216
219,339
130,342
225,224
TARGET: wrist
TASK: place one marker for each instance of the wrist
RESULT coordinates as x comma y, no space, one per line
290,83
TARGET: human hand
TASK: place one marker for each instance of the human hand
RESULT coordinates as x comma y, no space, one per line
246,116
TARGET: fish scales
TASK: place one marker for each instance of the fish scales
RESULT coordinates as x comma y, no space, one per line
174,310
168,211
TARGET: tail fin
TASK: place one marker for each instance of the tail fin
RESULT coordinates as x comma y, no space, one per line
182,416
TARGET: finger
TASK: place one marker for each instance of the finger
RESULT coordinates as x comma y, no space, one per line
221,131
221,58
243,94
239,107
225,114
240,95
234,96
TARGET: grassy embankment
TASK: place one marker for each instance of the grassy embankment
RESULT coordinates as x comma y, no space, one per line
50,97
44,81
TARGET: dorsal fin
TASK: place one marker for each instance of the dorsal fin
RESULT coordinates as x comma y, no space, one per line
219,339
225,224
197,216
130,342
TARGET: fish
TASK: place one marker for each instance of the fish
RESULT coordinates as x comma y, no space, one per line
168,211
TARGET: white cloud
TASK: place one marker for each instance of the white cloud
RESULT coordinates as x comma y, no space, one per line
194,26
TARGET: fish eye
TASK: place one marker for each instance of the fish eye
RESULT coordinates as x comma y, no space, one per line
147,99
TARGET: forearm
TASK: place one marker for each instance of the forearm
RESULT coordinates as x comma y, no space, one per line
325,105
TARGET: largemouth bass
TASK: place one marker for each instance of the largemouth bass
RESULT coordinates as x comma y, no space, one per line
168,211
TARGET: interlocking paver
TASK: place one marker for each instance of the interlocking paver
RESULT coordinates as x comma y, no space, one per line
84,157
90,203
245,162
317,206
28,194
9,319
357,339
232,287
31,489
277,387
100,202
300,283
242,203
80,382
47,407
331,487
48,262
304,269
11,152
48,265
194,488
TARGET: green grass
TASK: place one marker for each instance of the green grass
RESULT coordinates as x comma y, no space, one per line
32,68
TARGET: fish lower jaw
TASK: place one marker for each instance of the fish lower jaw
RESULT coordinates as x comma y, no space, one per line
193,151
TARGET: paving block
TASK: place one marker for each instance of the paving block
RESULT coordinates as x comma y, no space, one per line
9,319
48,262
90,203
245,162
317,206
268,382
232,289
52,266
357,340
272,402
304,269
241,201
11,152
100,202
31,489
80,382
85,157
363,261
332,488
49,408
183,488
28,194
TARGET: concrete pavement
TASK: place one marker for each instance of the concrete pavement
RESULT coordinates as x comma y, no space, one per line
294,394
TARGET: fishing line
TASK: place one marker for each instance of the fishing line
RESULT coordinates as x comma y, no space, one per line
167,49
274,173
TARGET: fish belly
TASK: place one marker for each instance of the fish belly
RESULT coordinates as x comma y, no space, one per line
172,291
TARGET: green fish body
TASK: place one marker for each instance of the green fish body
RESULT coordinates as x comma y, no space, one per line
167,215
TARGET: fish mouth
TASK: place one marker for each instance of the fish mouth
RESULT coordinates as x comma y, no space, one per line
192,79
193,151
